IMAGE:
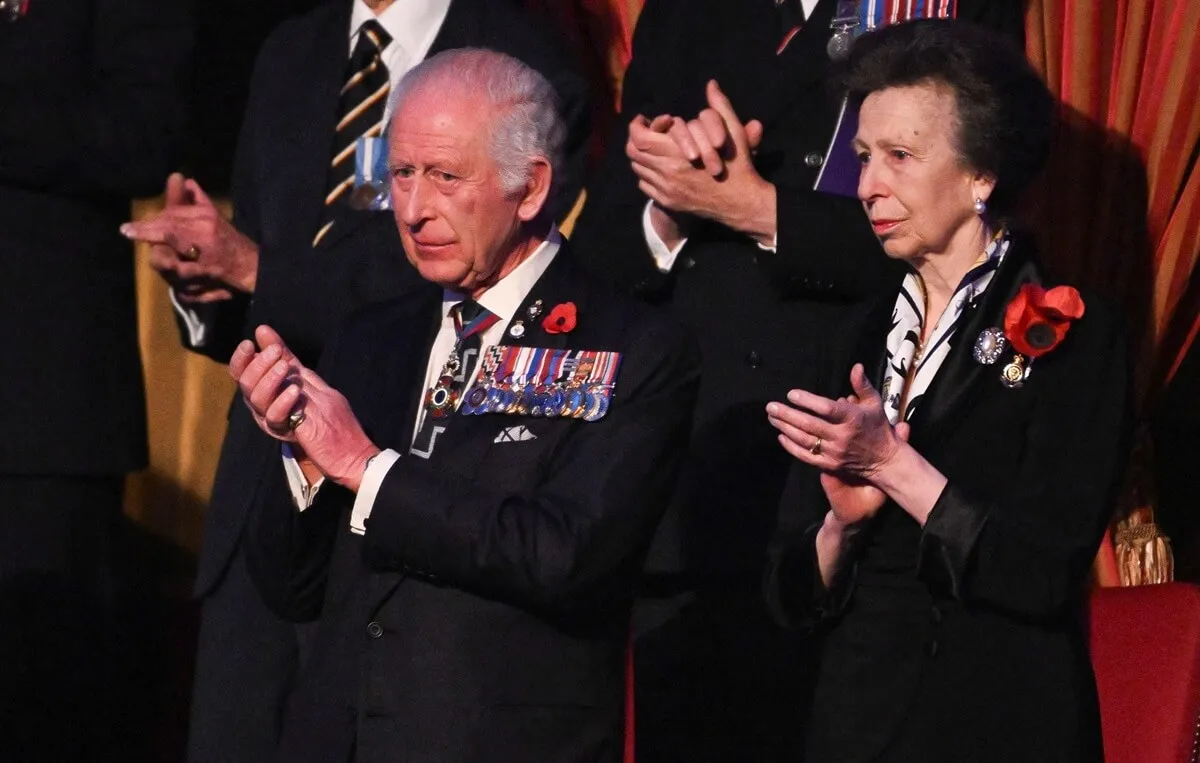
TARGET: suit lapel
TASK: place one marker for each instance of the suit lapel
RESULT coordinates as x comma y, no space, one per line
468,439
402,378
461,27
961,377
749,32
801,66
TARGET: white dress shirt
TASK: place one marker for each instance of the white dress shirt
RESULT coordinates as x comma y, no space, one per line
664,256
413,26
503,299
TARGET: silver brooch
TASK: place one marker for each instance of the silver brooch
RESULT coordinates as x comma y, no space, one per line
990,345
534,310
517,330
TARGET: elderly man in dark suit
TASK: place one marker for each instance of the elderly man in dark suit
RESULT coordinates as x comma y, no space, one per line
706,203
469,487
92,113
309,243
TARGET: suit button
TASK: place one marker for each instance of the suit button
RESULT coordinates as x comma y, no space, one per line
375,630
754,360
814,159
686,262
931,649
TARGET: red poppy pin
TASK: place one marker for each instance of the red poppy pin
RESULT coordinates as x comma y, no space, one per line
1035,322
561,319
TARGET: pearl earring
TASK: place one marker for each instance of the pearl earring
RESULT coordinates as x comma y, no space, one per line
980,206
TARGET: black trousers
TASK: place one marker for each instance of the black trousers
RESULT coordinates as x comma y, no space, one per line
67,671
716,680
246,663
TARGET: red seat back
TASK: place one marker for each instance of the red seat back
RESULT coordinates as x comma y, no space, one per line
1145,644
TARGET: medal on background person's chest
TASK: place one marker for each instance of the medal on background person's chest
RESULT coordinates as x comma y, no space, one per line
372,190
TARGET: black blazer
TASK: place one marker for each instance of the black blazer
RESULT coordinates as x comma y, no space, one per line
279,187
485,613
92,113
963,640
761,318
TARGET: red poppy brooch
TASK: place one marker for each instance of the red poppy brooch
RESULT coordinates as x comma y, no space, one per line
1035,322
561,319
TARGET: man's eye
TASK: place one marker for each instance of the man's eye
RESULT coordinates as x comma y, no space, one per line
900,153
402,172
445,177
864,157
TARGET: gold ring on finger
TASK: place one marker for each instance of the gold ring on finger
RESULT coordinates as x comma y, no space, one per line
295,419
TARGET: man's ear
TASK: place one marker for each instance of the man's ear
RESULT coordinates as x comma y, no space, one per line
537,190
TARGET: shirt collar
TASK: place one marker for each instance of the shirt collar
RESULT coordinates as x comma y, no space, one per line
505,297
808,6
407,21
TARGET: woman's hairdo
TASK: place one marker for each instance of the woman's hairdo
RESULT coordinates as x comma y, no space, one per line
1005,113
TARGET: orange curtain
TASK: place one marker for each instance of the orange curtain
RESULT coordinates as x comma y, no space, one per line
1119,206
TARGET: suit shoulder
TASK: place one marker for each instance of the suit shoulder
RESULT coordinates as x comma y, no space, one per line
296,33
644,325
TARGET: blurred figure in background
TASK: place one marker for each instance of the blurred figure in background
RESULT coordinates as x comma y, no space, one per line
92,114
311,240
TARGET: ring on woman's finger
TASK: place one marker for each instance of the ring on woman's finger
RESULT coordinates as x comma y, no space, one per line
816,447
191,254
295,419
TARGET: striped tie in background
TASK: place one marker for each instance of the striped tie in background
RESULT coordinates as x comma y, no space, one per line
360,115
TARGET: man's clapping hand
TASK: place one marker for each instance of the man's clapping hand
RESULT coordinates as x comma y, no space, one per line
702,167
200,253
293,404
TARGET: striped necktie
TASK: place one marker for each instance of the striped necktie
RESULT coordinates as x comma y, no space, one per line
360,115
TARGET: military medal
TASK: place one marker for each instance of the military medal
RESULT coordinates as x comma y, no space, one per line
989,346
542,382
1014,374
517,330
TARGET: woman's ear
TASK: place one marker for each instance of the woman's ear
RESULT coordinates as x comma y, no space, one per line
982,185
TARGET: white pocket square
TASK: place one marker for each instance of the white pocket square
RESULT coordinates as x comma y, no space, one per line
515,434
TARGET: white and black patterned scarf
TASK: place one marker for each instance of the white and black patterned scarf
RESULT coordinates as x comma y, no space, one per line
903,386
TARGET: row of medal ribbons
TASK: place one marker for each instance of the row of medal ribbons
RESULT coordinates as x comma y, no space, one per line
537,381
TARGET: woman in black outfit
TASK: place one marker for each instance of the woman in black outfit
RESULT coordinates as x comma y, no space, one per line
948,497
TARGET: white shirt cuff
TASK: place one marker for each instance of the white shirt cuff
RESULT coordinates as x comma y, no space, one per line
664,258
303,494
774,247
368,489
195,324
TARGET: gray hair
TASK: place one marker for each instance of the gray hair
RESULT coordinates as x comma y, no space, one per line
528,125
